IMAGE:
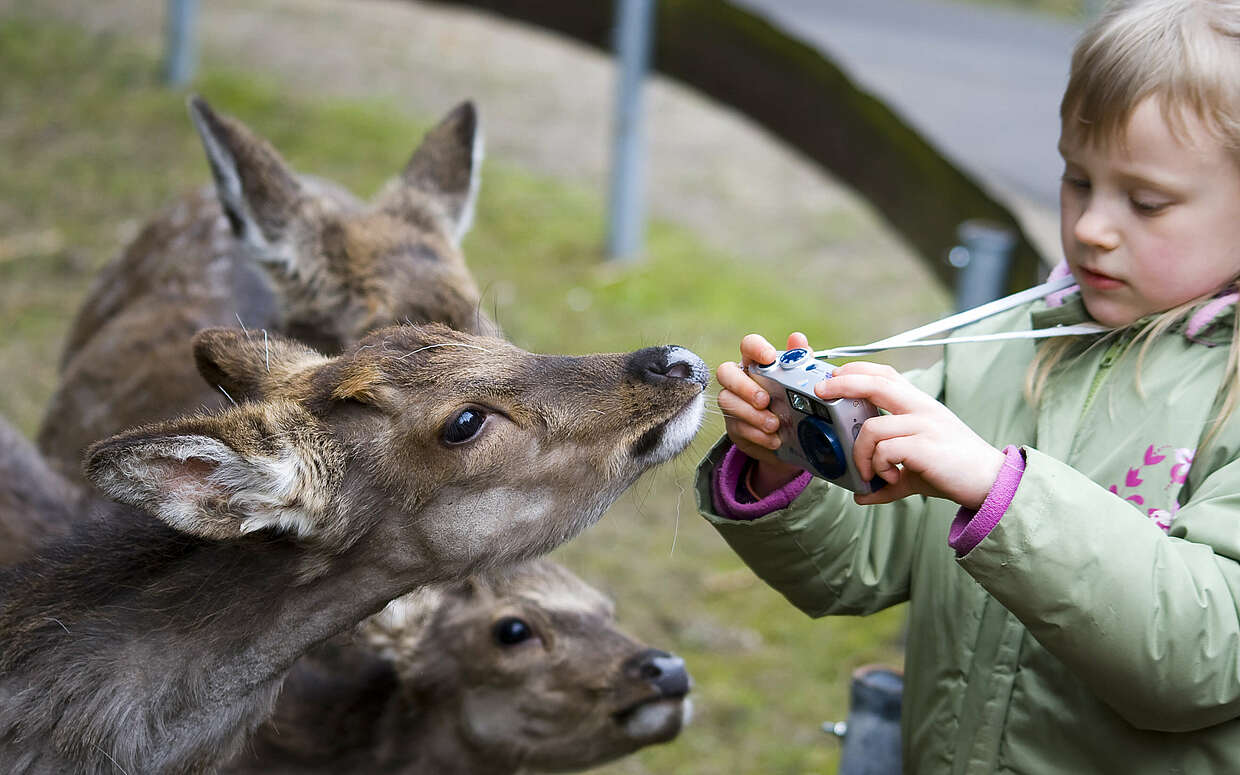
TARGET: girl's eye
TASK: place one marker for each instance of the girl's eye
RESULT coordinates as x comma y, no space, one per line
511,631
1147,207
1072,181
463,426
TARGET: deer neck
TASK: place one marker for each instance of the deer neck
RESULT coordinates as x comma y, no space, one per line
428,729
343,709
178,645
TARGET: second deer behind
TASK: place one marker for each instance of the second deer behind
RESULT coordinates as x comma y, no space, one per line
270,250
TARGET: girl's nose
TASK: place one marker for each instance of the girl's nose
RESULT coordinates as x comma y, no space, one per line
1095,229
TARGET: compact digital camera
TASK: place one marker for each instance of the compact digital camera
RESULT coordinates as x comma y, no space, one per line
816,435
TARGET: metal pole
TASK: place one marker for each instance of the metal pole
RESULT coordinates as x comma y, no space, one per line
983,257
626,216
181,54
871,736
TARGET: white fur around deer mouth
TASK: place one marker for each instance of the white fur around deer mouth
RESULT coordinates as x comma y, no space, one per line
677,431
655,717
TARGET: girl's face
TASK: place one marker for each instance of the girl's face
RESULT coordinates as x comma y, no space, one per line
1150,223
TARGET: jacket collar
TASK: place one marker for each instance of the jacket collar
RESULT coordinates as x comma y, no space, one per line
1209,323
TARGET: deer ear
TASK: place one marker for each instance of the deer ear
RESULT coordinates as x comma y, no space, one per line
250,365
257,466
256,188
447,167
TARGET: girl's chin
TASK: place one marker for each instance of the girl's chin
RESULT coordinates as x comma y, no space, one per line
1108,311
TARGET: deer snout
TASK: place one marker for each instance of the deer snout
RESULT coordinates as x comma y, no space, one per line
656,365
665,671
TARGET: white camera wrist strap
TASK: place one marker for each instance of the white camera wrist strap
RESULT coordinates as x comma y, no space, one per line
916,337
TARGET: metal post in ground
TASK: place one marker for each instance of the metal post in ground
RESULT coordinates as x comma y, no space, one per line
626,209
871,736
983,259
180,54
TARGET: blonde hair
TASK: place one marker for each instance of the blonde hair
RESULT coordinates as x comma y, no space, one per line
1185,54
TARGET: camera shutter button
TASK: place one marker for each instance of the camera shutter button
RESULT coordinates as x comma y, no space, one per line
791,358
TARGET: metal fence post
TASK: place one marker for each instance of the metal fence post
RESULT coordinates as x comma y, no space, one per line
871,736
180,51
626,211
983,258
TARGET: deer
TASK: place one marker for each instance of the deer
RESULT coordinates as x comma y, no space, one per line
269,250
36,503
156,637
515,670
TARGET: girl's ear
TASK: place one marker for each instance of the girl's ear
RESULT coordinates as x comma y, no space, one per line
445,168
254,467
252,365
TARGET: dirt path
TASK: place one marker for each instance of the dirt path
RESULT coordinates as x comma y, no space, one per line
546,105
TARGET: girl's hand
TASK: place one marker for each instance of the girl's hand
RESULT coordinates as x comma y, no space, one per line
750,425
920,447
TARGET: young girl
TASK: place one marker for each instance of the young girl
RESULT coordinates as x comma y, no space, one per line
1064,517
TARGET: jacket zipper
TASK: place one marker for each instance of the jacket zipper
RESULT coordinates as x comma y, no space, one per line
1104,367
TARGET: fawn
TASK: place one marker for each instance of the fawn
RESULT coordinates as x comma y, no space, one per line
267,250
36,503
520,668
155,639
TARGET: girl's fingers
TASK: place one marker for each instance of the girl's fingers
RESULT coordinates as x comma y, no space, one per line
877,429
894,491
755,349
736,408
732,378
873,369
797,339
897,396
742,432
890,453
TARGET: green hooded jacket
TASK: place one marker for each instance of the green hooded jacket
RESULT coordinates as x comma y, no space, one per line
1096,629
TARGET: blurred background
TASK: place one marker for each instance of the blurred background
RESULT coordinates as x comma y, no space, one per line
748,230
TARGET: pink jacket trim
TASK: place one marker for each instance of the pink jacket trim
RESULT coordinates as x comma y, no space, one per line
728,482
1206,315
970,527
1056,299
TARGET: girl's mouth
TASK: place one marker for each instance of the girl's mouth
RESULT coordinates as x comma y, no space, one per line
1097,280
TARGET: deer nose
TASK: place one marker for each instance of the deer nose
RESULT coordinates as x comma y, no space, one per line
666,671
655,365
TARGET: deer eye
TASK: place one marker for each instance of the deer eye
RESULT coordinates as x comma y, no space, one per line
511,631
463,426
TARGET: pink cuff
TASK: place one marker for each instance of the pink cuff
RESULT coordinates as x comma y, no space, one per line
970,527
729,484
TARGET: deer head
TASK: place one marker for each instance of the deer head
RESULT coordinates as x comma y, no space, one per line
520,668
530,666
484,452
342,269
272,250
421,455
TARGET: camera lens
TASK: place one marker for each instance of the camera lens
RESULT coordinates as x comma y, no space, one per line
822,448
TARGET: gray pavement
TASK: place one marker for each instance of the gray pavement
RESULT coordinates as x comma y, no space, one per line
981,83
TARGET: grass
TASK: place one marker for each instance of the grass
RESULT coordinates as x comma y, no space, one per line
1063,9
92,145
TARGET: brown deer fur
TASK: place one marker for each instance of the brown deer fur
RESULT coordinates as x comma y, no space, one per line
518,669
156,639
36,503
271,251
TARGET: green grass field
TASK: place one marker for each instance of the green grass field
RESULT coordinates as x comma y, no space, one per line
92,145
